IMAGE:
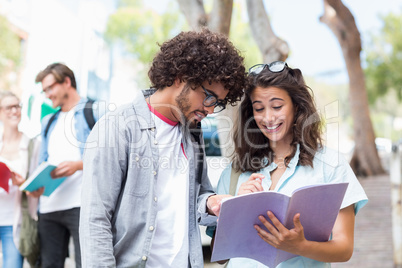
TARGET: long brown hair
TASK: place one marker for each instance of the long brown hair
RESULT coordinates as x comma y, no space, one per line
252,150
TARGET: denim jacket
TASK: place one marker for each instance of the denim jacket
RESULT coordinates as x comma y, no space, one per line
81,127
119,201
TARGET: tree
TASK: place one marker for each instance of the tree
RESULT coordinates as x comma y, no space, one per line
271,46
242,37
218,20
365,160
384,59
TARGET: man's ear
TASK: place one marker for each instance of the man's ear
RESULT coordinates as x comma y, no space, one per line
67,81
179,85
178,82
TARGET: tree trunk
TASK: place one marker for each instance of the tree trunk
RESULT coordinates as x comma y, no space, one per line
219,19
365,160
272,47
221,16
194,12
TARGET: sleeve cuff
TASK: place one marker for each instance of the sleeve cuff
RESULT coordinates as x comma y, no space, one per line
203,217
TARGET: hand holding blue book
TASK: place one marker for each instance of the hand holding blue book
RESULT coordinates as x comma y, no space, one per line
42,178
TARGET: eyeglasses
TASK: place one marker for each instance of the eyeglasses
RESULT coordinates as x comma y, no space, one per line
274,67
212,100
49,88
9,108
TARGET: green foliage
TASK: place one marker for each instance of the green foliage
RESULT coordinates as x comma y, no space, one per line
141,29
384,59
386,112
130,3
9,44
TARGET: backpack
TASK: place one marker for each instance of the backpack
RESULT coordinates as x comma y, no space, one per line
196,133
88,114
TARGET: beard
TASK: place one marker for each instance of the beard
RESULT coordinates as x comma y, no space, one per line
61,102
184,106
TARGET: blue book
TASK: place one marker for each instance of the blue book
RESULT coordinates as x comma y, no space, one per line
41,178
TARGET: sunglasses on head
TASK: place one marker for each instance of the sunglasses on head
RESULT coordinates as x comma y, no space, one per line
274,67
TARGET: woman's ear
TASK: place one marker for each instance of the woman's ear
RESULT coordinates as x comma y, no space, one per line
295,113
295,110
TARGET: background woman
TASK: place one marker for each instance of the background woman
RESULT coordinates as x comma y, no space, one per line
278,147
14,153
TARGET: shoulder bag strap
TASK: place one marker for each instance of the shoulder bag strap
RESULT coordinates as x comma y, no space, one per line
24,199
234,178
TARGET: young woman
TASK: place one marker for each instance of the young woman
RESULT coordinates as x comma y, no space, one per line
14,153
278,147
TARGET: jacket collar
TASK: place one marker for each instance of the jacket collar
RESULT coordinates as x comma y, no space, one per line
142,111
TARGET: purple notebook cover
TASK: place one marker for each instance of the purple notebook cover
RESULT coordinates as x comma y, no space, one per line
235,236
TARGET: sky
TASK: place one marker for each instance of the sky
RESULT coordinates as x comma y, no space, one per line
313,47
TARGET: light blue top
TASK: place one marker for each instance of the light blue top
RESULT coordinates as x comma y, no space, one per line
329,167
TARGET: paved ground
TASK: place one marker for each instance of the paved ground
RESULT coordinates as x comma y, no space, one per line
373,232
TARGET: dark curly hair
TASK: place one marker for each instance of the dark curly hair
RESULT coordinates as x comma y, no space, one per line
196,57
252,146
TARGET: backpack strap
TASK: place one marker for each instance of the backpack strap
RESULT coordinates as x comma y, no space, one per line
50,122
234,178
24,199
89,113
200,155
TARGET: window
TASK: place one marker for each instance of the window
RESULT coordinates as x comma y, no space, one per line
211,137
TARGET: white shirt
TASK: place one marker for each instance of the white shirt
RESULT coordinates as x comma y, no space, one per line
63,147
8,200
170,246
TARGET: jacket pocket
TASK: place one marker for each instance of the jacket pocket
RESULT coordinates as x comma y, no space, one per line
139,174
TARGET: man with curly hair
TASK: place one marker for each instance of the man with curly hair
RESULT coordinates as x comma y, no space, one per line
145,180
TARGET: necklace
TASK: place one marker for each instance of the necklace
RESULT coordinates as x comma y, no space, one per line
281,157
280,161
280,164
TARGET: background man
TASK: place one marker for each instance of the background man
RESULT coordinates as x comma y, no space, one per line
63,140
